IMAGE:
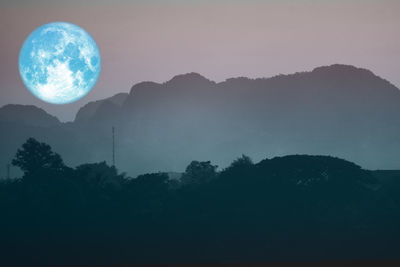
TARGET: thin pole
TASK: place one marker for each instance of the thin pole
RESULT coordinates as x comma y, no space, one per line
113,146
8,171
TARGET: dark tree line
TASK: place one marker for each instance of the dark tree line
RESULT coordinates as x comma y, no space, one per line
289,208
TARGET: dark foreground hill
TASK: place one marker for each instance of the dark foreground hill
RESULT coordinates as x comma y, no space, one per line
293,208
337,110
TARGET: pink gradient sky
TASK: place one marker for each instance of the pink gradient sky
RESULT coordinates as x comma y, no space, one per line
156,40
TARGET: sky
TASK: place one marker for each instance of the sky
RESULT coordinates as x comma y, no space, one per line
155,40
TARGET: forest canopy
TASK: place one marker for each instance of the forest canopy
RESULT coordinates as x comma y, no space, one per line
296,207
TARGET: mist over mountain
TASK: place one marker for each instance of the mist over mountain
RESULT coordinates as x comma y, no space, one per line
336,110
90,110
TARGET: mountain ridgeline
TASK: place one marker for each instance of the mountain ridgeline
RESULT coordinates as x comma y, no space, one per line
337,110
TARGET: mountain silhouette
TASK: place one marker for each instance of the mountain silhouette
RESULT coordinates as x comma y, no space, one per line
337,110
27,115
89,110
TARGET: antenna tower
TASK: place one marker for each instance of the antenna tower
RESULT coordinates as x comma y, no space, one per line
8,171
113,146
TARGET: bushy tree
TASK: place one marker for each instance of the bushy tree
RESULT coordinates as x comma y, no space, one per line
100,175
35,156
240,163
198,172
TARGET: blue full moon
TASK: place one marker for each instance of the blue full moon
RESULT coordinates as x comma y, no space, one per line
59,62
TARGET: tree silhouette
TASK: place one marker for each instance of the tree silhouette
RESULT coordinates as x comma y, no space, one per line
285,208
198,172
36,156
239,163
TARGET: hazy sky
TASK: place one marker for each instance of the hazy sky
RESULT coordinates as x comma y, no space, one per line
155,40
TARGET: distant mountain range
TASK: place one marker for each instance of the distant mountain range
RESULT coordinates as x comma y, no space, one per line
337,110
